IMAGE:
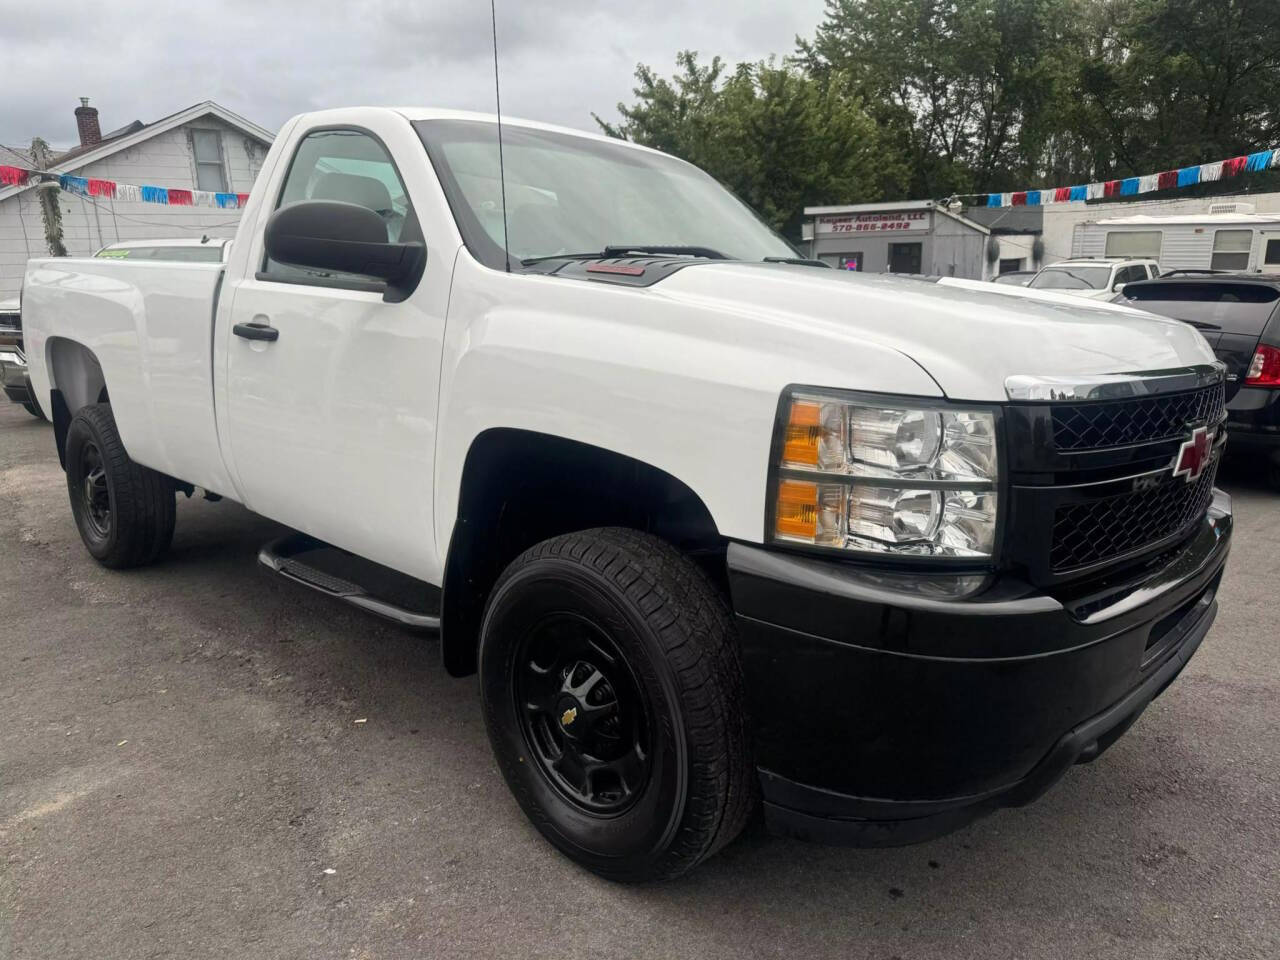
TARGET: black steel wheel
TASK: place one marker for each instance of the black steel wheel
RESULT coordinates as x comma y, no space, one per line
583,716
124,511
613,697
95,497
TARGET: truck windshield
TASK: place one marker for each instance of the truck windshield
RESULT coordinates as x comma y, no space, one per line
1071,278
569,195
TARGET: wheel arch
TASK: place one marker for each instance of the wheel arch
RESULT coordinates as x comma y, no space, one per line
75,380
520,487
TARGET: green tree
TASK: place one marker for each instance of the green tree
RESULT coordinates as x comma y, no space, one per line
1178,82
970,90
773,135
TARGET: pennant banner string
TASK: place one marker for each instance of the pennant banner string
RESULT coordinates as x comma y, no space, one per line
110,189
1132,186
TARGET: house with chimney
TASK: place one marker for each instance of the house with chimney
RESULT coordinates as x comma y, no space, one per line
204,147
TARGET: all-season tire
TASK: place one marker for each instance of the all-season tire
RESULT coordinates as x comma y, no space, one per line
124,511
630,611
31,408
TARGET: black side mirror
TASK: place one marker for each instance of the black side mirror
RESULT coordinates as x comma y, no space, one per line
334,235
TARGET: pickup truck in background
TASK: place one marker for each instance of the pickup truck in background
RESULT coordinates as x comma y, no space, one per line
718,528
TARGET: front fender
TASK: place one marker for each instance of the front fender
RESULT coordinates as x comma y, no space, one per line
687,388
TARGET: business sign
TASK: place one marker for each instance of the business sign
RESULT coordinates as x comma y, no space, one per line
874,222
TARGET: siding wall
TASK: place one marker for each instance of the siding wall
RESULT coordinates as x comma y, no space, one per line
165,160
1061,219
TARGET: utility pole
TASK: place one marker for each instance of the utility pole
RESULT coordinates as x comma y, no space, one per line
47,192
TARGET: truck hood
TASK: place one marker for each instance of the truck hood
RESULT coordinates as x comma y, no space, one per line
969,341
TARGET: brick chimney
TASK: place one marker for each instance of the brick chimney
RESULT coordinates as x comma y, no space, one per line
87,124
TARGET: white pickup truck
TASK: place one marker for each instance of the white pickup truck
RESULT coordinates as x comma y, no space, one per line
719,528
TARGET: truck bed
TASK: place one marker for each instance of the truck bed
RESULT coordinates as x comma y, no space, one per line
150,326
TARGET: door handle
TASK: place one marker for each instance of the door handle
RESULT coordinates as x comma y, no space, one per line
256,331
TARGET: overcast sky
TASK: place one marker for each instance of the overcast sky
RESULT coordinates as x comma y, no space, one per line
268,61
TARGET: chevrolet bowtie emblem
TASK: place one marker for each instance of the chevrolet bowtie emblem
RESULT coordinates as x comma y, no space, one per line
1194,455
568,716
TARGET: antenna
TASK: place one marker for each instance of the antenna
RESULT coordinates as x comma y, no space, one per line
502,172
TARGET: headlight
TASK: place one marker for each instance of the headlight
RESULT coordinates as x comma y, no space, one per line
888,477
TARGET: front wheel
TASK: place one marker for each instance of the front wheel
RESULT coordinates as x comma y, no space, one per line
613,697
125,512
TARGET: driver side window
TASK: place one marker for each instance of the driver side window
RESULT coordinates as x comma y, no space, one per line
351,166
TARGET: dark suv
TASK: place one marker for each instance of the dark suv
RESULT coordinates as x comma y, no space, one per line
1239,314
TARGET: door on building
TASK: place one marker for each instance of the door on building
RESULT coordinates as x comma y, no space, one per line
904,257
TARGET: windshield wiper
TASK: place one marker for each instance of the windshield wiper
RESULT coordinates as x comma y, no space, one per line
799,262
622,249
530,261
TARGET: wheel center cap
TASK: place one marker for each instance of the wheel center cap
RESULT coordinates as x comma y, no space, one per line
569,713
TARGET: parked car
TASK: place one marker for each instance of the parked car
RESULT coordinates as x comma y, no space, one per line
1093,279
881,554
13,362
181,249
1017,278
1239,315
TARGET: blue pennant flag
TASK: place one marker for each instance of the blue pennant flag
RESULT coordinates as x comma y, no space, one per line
1033,198
226,200
1258,161
1129,186
71,184
993,199
155,194
1078,193
1188,176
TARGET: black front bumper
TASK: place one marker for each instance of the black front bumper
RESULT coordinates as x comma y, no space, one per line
889,708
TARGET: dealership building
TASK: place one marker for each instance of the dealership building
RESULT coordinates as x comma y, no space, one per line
924,236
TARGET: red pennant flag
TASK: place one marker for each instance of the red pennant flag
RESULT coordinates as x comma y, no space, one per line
179,198
1111,188
1062,195
1018,199
102,188
1167,179
242,198
13,176
1233,166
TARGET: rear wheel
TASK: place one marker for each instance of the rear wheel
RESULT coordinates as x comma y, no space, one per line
613,698
31,408
124,511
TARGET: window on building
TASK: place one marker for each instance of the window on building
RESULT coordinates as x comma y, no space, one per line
1134,244
1272,256
905,257
211,172
1231,249
1008,264
851,261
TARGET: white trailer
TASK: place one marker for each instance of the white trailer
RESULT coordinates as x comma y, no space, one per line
1229,237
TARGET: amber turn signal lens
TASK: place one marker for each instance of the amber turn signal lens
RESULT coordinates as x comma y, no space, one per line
804,430
796,513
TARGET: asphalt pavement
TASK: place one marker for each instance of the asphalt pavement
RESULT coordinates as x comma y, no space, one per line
200,760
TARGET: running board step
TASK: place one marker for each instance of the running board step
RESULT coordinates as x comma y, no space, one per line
355,580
